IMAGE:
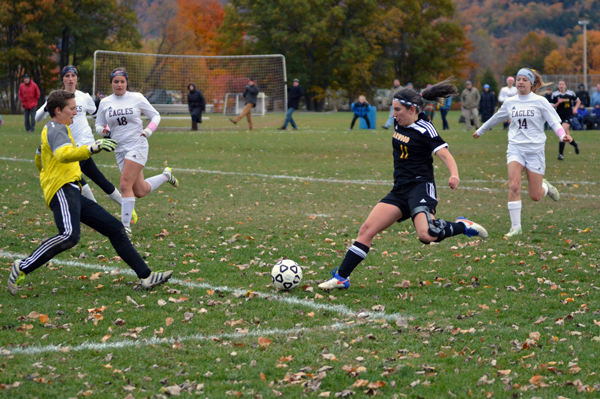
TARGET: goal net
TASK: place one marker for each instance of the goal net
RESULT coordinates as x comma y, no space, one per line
164,79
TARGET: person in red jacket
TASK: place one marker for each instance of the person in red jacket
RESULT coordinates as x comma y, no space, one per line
29,94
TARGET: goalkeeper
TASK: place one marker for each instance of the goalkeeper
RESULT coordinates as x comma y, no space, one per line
57,159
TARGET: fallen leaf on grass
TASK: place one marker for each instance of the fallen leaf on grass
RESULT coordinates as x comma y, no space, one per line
105,338
44,318
329,356
535,379
263,377
264,342
503,372
169,321
540,320
360,383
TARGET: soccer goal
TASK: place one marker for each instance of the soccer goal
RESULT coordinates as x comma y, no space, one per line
164,80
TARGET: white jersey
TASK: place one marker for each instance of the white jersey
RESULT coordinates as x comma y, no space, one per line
80,129
527,114
122,114
506,93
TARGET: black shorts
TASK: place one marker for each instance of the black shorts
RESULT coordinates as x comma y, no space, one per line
569,120
409,196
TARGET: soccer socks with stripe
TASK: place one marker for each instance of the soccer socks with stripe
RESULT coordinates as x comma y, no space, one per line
450,229
356,254
514,209
156,181
86,191
115,196
127,205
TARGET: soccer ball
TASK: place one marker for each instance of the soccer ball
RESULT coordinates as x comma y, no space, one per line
286,275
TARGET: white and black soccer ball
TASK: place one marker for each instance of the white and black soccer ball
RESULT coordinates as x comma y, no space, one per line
286,275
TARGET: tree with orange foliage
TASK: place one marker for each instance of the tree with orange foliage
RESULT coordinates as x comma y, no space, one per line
202,18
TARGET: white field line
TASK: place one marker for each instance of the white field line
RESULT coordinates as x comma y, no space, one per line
99,346
327,180
339,309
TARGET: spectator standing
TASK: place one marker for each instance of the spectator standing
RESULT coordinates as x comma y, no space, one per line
469,99
390,121
97,100
250,95
487,103
296,94
596,96
430,106
29,94
361,109
505,93
196,105
583,95
444,111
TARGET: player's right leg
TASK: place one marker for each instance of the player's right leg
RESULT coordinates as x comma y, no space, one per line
381,217
66,206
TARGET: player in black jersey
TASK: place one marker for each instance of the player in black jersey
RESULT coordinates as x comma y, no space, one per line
413,195
566,104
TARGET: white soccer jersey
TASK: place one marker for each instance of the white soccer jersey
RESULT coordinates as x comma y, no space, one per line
527,114
506,93
123,116
80,129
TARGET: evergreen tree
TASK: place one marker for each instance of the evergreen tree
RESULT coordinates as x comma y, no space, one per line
489,78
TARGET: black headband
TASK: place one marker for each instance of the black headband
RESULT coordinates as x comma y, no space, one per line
118,72
68,69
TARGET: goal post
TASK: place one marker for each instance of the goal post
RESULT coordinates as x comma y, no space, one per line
164,79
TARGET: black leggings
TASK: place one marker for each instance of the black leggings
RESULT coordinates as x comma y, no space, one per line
70,210
89,168
356,117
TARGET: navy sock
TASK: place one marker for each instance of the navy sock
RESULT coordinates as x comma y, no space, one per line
356,253
561,148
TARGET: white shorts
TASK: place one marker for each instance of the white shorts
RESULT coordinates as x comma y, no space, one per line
138,155
532,161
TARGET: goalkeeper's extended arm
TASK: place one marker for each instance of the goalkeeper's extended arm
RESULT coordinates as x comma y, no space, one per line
102,145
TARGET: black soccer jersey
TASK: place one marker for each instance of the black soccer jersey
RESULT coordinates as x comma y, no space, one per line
565,109
413,148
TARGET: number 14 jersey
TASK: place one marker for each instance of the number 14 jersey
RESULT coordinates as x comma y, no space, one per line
123,116
527,114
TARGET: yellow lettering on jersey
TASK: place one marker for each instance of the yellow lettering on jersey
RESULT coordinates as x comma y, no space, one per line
404,151
401,137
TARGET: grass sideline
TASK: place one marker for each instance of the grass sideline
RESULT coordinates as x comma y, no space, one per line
464,318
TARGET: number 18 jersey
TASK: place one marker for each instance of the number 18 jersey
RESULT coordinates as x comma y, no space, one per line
527,114
123,116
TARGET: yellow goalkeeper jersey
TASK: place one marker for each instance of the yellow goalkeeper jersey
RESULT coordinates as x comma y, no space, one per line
58,159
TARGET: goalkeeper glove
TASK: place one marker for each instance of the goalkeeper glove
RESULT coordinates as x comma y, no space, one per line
103,145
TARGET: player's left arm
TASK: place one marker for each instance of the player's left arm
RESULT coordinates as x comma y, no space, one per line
448,160
576,106
148,110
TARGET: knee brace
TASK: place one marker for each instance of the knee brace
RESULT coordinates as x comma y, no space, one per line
436,226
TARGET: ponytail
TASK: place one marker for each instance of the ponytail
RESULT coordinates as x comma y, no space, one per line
410,98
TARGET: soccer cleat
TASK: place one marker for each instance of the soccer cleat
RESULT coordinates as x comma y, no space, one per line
281,128
472,229
155,278
134,217
128,231
169,172
514,231
16,277
234,122
576,145
560,157
336,282
385,127
552,191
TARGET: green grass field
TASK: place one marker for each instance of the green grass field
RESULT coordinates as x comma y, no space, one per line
465,318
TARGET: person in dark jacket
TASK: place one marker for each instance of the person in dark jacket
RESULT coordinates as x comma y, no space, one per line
583,95
361,109
296,94
250,95
487,103
444,109
196,105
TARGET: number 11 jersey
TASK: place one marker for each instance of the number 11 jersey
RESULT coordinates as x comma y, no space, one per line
123,116
527,114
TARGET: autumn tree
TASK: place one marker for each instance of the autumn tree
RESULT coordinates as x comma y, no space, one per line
202,18
531,52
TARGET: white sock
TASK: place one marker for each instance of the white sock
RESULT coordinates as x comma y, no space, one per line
546,188
127,205
86,191
156,181
514,208
115,196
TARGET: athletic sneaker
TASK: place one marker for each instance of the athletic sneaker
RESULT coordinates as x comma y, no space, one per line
169,172
128,231
156,278
514,231
16,277
234,122
576,145
134,217
560,157
472,229
336,282
552,191
281,128
385,127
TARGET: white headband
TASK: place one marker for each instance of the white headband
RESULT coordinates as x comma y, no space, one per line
527,73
